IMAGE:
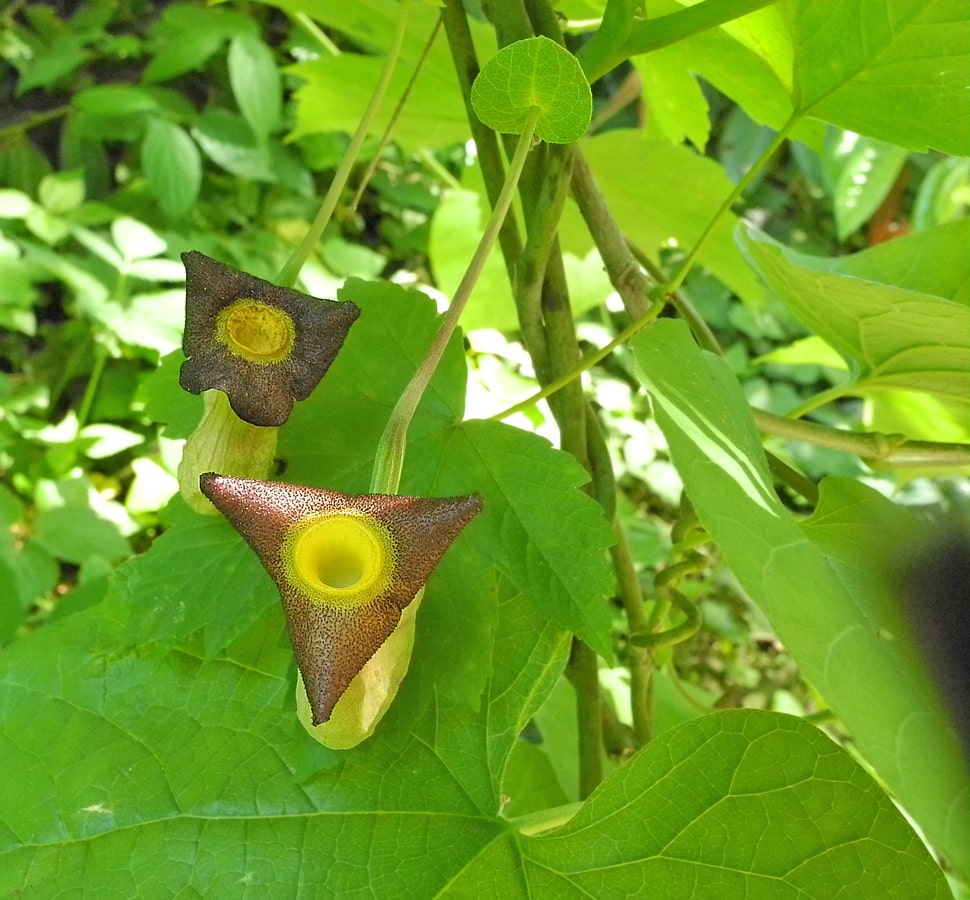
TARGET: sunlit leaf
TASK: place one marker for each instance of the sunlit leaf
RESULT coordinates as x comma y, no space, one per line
828,603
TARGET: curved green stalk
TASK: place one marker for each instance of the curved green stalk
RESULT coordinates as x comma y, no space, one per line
623,39
395,116
289,272
586,363
889,450
814,402
730,200
390,450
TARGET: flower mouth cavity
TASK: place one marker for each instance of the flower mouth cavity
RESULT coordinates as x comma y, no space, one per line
344,560
256,332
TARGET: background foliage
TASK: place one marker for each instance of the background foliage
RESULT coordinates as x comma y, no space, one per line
796,180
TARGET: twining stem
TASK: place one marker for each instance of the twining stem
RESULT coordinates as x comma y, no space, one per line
820,399
731,199
390,450
874,447
490,159
641,660
587,363
398,110
291,270
583,672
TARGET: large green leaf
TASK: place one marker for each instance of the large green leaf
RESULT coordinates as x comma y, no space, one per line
897,70
897,337
540,531
147,773
826,601
154,774
932,261
720,807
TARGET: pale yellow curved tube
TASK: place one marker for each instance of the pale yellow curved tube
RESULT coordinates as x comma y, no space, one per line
375,686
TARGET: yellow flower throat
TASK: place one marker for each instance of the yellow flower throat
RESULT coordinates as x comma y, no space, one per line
255,331
339,559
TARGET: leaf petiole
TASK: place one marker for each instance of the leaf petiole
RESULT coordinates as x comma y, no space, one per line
393,442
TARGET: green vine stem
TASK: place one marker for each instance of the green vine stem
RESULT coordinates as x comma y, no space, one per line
34,120
730,200
490,159
395,116
822,399
290,271
624,37
641,659
887,450
587,363
393,442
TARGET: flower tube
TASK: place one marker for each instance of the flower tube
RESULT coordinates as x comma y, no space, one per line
347,567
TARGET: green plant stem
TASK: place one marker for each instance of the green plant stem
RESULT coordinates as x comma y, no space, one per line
662,31
625,275
34,120
583,674
94,382
679,301
821,399
290,271
889,450
641,659
541,293
486,141
390,451
587,363
395,116
603,51
316,32
731,198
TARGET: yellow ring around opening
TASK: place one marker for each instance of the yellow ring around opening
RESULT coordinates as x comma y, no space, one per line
256,332
339,559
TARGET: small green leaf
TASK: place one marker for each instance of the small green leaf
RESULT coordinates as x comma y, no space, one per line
172,166
862,171
674,95
115,100
255,82
536,73
61,193
75,533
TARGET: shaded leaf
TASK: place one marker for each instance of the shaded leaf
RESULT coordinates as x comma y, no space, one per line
896,337
827,603
172,166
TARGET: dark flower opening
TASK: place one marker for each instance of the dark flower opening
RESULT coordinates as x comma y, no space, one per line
263,345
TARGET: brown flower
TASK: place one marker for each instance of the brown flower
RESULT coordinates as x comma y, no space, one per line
346,566
263,345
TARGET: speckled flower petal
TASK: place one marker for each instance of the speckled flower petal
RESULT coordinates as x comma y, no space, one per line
345,566
263,345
